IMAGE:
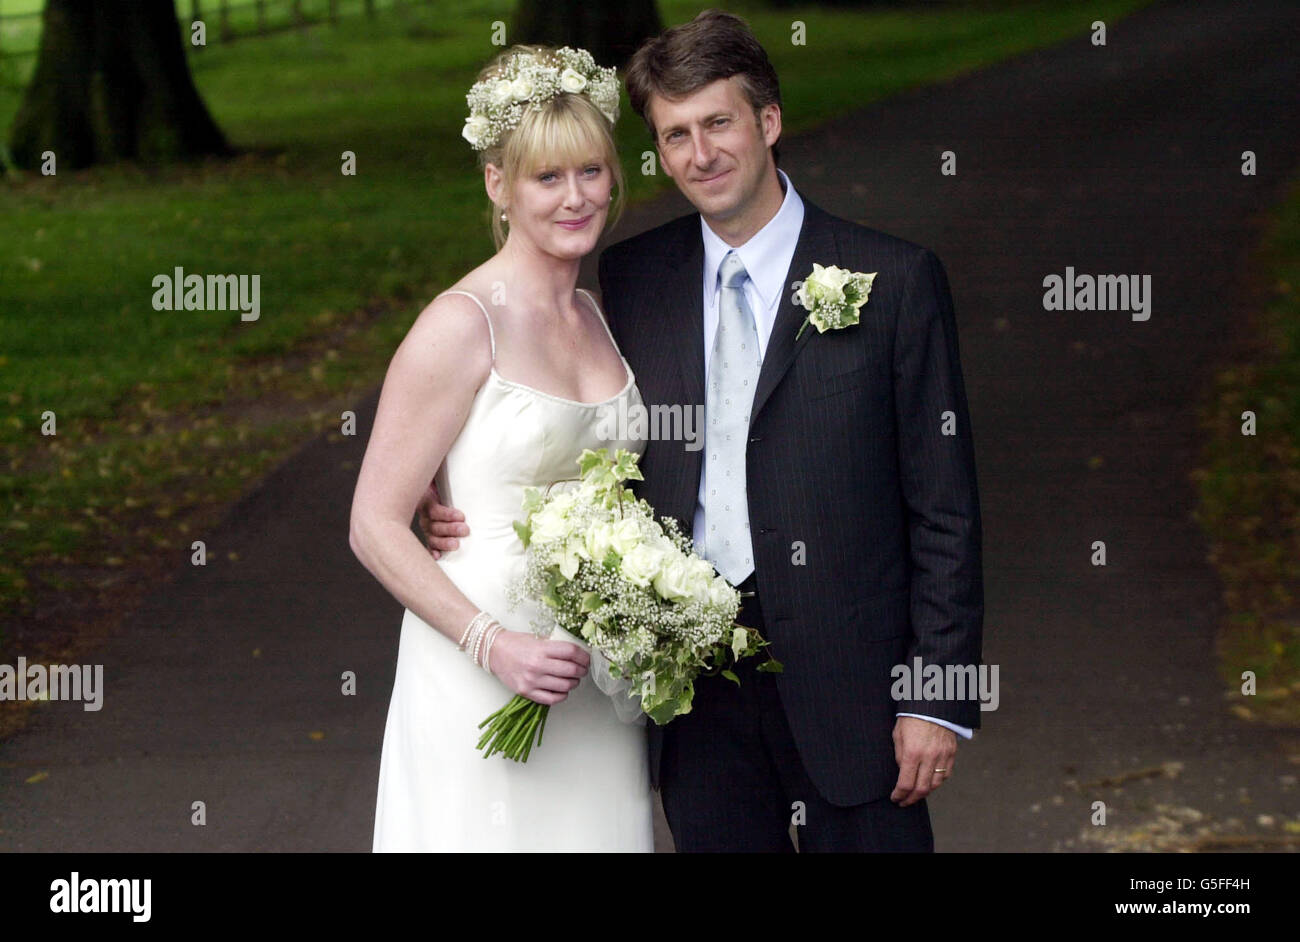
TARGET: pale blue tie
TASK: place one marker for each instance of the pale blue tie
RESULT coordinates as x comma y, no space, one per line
733,375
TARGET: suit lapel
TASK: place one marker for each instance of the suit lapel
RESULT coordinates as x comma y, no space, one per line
686,308
674,354
816,244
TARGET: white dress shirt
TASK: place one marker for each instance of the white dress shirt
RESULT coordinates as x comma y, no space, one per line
766,257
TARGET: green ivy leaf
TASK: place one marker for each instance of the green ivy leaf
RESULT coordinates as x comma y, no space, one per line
739,642
664,712
550,597
590,460
524,531
532,500
625,466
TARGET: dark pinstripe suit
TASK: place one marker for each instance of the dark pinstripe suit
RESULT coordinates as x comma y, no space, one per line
846,455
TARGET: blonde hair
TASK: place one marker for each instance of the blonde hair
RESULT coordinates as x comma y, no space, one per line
565,130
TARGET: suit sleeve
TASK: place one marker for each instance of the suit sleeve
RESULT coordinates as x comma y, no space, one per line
936,460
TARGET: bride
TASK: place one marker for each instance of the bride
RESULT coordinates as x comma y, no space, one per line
499,385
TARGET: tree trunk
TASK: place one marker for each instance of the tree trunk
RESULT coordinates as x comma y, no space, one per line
111,83
610,32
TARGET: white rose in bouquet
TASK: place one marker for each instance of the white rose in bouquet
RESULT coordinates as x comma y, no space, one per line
550,522
720,591
597,542
700,577
620,538
673,581
571,556
641,564
625,536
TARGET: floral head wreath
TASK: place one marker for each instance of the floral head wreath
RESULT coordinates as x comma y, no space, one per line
528,80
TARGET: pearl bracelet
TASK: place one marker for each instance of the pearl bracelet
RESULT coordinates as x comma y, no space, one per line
492,633
475,628
477,640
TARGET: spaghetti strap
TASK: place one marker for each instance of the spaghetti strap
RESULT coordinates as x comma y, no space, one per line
604,323
491,335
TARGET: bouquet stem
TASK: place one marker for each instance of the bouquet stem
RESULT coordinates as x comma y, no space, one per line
510,730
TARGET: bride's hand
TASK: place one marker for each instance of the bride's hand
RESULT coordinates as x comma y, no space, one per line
543,671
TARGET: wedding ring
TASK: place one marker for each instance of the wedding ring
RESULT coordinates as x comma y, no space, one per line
941,770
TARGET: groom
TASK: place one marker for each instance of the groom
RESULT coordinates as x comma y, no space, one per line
836,481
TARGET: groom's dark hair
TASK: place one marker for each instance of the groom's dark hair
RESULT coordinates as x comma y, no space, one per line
715,45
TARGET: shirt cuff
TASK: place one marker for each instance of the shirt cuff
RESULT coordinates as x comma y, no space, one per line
964,732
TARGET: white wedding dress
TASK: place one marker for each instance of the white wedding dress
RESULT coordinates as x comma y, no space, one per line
586,786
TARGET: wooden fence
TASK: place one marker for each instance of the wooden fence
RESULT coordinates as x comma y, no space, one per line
20,24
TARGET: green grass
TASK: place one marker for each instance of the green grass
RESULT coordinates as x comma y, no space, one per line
164,417
1250,491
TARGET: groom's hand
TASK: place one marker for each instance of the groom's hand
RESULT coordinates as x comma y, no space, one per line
920,747
439,523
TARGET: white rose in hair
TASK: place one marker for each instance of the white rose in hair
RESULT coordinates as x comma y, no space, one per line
572,81
501,92
521,88
474,129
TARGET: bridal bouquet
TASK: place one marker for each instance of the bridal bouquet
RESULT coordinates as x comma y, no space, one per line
607,571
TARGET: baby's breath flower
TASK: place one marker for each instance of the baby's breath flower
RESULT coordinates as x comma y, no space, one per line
497,104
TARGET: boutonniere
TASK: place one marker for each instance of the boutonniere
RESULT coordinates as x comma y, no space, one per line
832,297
